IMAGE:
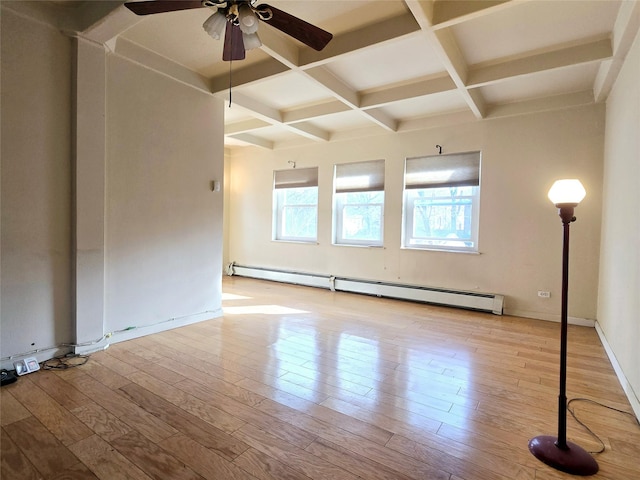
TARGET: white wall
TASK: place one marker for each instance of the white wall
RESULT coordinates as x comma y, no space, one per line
520,233
36,186
163,222
619,285
162,257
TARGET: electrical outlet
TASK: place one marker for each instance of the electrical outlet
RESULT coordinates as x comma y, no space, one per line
543,294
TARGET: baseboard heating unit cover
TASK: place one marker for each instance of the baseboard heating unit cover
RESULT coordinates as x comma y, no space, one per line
486,302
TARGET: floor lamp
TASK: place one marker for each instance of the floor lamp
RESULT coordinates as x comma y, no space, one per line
556,451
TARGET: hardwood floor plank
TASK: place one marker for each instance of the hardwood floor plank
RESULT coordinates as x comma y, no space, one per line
101,421
203,461
317,418
460,460
352,462
190,425
58,420
103,374
106,462
182,398
78,472
11,410
282,392
284,430
152,459
296,458
119,364
47,454
119,406
265,467
59,390
13,463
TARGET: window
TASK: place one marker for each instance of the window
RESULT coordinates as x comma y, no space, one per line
441,197
295,199
359,203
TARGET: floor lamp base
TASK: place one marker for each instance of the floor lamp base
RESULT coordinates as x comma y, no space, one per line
574,460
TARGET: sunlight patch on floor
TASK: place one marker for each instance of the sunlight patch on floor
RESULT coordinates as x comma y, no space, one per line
261,309
231,296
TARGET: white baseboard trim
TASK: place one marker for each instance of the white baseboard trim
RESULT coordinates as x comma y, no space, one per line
548,317
160,327
624,382
45,354
40,355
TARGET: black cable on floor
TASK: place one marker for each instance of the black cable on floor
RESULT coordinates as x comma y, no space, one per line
64,362
591,432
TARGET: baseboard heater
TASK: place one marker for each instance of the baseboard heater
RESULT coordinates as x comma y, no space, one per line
485,302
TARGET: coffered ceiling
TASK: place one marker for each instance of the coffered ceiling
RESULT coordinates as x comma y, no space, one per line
393,65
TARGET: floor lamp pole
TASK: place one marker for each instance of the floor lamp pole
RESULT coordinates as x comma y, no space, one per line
556,451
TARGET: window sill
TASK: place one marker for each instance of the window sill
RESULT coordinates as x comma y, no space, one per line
356,245
444,250
301,242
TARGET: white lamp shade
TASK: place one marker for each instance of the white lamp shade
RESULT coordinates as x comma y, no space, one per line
215,25
248,20
251,41
568,191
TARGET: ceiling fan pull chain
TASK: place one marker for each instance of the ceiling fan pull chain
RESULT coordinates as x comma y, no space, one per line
230,63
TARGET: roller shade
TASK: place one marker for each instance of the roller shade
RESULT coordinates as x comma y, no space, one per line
359,177
296,178
454,170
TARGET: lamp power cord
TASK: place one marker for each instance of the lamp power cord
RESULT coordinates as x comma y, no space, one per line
591,432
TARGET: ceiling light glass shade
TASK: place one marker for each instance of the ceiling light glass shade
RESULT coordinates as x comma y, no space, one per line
567,192
215,25
248,20
251,41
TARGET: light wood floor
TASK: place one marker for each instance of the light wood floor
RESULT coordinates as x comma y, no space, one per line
303,383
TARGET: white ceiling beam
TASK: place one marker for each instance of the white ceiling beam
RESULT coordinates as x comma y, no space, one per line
278,46
152,61
416,89
624,31
335,86
246,75
103,21
447,13
273,116
261,111
244,126
436,121
309,130
314,111
253,140
447,50
532,63
349,96
449,53
554,102
364,37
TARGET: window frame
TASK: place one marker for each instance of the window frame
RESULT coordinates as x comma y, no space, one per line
357,177
465,174
284,181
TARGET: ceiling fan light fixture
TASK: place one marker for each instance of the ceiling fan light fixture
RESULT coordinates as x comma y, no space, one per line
248,20
215,25
251,41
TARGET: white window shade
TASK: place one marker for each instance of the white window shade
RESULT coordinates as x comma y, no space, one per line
360,177
455,170
295,178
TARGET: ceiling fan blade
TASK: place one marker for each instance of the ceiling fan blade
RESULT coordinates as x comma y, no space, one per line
160,6
233,43
308,34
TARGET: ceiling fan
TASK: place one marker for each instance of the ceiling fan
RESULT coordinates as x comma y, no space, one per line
239,19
